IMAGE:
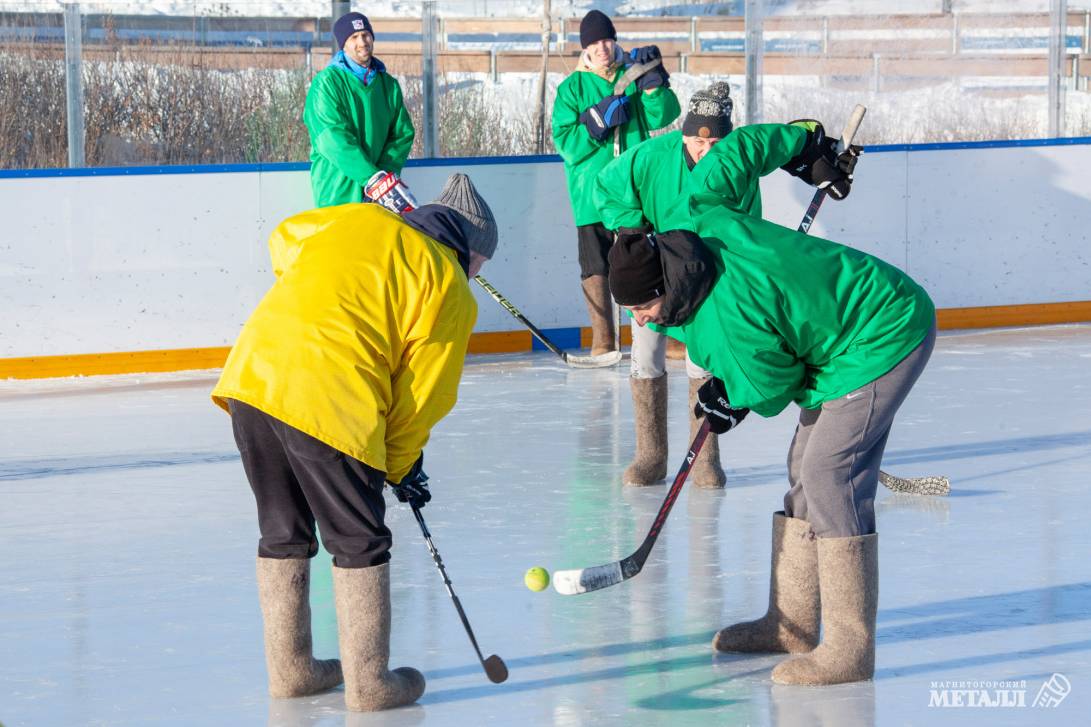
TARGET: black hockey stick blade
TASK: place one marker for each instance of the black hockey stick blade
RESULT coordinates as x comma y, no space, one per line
584,580
495,669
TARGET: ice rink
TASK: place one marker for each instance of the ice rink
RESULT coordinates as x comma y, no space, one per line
128,536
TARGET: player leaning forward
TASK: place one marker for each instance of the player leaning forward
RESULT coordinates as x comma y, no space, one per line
776,317
337,378
587,117
648,186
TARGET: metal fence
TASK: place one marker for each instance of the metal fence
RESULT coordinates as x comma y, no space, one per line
162,89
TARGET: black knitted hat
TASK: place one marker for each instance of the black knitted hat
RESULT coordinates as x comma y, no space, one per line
596,26
348,25
636,273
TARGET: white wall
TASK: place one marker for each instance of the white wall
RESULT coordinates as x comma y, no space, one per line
149,261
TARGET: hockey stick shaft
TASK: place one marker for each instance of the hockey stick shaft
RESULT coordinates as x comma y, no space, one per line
917,485
583,580
494,666
506,305
819,197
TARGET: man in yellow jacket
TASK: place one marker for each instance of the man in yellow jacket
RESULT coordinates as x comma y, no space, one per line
333,386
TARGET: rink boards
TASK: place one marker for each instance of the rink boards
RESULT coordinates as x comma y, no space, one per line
152,269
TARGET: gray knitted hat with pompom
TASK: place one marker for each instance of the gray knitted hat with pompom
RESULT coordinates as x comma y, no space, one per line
709,112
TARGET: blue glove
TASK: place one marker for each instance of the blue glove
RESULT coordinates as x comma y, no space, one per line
414,486
712,403
605,115
645,54
654,78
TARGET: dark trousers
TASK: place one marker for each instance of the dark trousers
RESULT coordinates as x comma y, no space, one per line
595,242
298,480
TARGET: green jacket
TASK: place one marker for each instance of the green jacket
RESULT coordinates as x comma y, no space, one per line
650,181
355,131
584,156
793,317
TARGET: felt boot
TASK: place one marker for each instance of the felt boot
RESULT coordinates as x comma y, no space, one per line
706,471
649,465
600,306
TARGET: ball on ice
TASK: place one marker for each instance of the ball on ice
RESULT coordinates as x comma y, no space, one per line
537,579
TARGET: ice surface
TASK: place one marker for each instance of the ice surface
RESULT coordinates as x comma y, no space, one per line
127,535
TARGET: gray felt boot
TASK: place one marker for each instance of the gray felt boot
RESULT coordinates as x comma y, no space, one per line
363,629
284,590
649,465
791,623
848,576
600,306
706,471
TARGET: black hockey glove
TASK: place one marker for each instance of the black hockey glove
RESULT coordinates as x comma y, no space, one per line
820,164
654,78
712,403
605,115
645,54
414,486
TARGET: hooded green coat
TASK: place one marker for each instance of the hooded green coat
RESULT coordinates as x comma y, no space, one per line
792,317
584,156
650,181
356,130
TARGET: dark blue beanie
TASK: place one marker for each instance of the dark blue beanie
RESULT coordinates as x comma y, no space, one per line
349,24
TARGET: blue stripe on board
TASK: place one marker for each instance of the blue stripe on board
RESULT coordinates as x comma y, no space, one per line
476,161
561,338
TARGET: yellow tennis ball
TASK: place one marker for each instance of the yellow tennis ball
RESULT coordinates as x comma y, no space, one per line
537,579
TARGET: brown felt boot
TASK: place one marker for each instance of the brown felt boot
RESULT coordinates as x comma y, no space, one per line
600,305
706,471
791,623
848,577
676,350
284,591
363,629
649,465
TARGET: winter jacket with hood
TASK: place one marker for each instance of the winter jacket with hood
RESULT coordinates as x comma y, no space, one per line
361,339
356,129
584,156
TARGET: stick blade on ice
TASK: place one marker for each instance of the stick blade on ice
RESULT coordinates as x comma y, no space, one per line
599,361
583,580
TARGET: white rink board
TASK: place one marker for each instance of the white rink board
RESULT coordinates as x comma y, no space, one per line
134,262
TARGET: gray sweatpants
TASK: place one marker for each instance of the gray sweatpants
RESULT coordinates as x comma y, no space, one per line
648,356
833,463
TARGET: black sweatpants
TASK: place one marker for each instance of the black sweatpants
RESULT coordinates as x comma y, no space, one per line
595,242
298,480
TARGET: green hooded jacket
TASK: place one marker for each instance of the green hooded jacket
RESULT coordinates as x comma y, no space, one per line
651,180
356,130
792,317
584,156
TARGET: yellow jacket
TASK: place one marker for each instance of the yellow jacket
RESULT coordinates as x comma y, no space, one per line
361,339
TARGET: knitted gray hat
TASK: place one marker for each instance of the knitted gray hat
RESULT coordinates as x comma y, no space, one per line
459,194
709,112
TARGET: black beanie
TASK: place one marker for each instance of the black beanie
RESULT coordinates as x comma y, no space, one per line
348,25
596,26
709,112
636,272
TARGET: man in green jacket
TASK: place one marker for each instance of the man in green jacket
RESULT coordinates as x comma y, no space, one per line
356,118
777,316
587,117
646,187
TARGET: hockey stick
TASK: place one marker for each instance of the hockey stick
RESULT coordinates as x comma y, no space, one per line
584,580
632,73
495,668
937,485
578,362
